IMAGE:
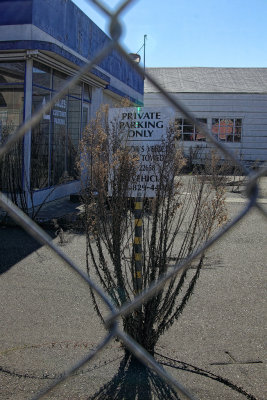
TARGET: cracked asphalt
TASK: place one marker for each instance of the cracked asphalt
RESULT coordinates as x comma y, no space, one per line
48,321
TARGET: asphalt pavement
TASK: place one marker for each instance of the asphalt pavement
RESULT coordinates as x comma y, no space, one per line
48,321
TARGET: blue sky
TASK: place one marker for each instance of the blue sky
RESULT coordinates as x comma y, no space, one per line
193,33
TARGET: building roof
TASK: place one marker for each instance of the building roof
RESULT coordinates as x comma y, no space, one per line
60,29
208,80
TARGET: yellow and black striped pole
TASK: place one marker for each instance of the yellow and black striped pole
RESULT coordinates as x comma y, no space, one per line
138,256
138,228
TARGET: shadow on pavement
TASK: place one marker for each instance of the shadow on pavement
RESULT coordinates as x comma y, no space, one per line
15,244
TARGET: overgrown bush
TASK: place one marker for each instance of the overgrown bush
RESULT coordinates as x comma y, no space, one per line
179,219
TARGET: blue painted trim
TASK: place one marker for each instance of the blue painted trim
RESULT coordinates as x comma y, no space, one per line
74,97
53,91
122,94
37,45
66,23
42,87
12,84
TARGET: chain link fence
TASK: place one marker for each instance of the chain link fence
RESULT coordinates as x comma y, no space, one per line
111,323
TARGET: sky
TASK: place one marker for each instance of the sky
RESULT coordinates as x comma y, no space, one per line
191,33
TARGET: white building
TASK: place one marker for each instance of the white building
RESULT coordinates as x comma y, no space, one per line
231,101
42,44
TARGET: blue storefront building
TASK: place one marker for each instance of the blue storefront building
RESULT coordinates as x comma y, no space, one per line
42,44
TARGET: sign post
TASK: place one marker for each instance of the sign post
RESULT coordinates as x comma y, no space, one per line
138,254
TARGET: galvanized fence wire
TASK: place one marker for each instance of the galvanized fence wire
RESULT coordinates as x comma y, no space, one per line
113,330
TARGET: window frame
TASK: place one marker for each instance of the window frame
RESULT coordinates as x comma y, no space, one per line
82,98
222,134
194,133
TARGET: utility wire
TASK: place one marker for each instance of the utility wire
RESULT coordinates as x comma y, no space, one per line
140,49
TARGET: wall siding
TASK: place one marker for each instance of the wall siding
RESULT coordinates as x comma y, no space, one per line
252,108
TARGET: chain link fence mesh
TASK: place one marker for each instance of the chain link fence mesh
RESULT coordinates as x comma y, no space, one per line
112,326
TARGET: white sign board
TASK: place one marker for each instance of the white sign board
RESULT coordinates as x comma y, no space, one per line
143,129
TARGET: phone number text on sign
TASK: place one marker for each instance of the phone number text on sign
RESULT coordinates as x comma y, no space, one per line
147,178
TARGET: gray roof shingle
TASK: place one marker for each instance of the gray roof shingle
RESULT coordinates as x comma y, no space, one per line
208,80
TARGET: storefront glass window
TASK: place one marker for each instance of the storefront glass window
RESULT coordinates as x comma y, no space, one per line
74,126
41,75
76,91
59,172
11,116
40,141
12,72
59,80
55,139
87,93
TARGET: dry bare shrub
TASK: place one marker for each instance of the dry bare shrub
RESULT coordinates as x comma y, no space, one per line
179,219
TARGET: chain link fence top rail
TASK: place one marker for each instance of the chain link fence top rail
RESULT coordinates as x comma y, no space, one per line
111,323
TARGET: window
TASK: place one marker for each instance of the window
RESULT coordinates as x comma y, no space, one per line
41,75
228,130
55,139
189,132
74,126
11,116
59,141
40,141
12,72
11,96
87,93
59,80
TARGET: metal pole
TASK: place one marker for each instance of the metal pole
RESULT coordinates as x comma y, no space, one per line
145,36
138,256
